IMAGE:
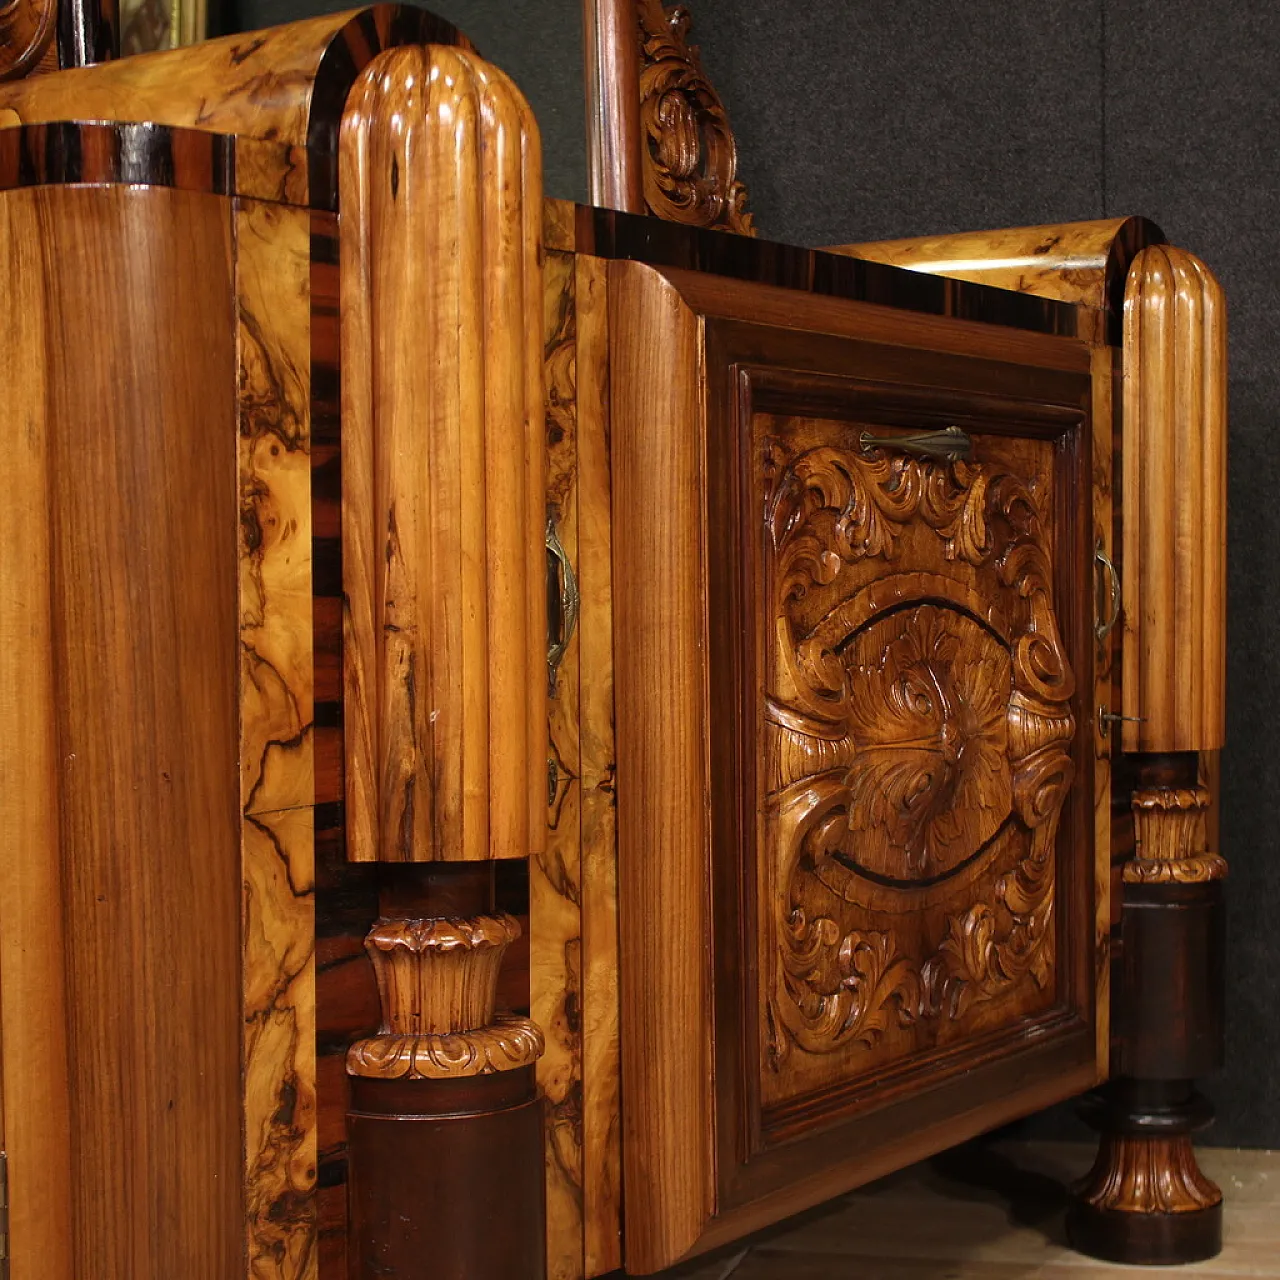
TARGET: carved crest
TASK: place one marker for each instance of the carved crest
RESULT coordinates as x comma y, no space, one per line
690,159
917,723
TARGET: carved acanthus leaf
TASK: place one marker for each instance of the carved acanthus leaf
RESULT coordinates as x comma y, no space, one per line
507,1044
930,719
690,159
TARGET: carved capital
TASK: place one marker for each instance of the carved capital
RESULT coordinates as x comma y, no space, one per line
437,983
1169,825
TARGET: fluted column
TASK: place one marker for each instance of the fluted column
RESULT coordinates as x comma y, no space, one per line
1146,1200
444,656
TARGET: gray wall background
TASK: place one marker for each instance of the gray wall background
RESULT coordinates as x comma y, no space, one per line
870,119
867,119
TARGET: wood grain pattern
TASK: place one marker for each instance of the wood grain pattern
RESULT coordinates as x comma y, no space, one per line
443,463
1083,262
286,85
76,151
689,159
33,962
607,233
277,782
909,731
1171,838
143,609
27,29
999,910
601,1069
437,987
1144,1175
1174,536
1104,373
555,876
662,769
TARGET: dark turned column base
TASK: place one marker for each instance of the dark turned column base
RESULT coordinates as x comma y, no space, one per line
447,1178
1145,1239
1145,1200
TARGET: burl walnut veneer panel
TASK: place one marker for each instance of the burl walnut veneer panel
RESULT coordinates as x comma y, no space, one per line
856,865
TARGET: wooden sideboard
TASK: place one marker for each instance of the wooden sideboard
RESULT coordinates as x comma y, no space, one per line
541,739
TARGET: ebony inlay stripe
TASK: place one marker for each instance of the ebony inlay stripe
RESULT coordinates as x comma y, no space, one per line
1134,236
112,153
326,524
384,26
607,233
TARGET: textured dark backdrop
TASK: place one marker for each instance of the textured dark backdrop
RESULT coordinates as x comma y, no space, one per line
867,119
537,42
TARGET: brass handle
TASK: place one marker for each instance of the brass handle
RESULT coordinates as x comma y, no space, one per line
562,589
1102,628
950,444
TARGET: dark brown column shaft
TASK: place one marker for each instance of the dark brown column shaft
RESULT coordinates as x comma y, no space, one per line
1146,1200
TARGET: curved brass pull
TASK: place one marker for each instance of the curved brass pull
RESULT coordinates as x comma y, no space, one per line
562,592
1102,627
949,445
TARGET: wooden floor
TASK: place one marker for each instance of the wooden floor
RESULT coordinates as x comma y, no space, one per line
993,1212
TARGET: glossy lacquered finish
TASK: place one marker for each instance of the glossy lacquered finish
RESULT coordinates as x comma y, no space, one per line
136,860
860,834
825,964
443,463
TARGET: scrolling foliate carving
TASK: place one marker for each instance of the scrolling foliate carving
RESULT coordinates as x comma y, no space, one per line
915,722
690,159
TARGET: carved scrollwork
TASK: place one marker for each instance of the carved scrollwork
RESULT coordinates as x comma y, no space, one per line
1169,826
507,1044
914,723
437,984
690,159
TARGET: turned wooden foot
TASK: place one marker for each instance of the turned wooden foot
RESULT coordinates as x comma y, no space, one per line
1145,1200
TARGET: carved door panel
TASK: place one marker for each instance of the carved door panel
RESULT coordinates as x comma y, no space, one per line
898,845
915,735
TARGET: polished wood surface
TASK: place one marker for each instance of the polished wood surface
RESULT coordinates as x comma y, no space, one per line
615,155
141,606
277,726
27,36
443,463
668,1160
573,886
822,1016
1083,262
438,987
1174,526
605,233
286,85
37,1104
88,32
689,159
556,876
1106,662
601,1085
